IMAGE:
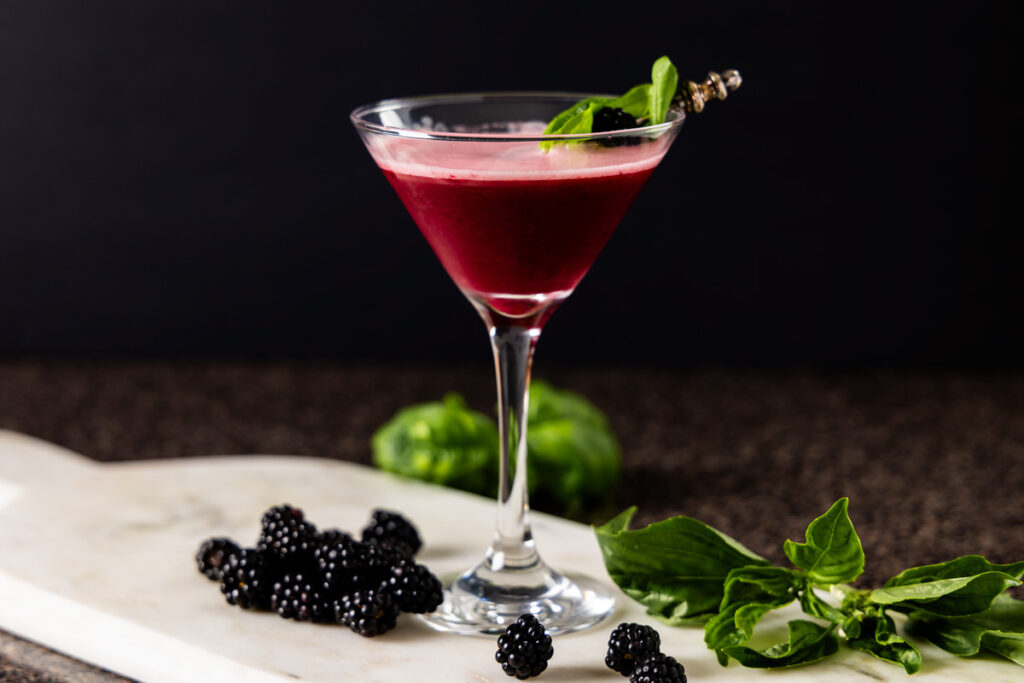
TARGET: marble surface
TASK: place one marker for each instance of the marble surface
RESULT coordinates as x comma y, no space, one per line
97,562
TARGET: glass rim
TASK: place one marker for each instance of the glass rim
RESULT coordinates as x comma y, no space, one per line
359,121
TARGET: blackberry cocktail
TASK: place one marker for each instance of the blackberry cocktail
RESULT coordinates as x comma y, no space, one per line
517,217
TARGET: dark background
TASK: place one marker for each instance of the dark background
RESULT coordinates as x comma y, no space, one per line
180,178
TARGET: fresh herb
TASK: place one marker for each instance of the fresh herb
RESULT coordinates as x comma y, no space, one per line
664,81
648,103
574,458
686,572
443,443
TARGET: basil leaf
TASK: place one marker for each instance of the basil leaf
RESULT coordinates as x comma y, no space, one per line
832,553
880,639
1009,645
574,457
722,630
560,125
999,628
851,625
578,118
635,102
664,81
947,597
808,642
959,636
443,443
676,568
749,594
1005,614
968,565
814,605
760,584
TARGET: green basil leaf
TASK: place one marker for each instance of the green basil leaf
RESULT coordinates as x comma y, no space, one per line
814,605
879,638
947,597
441,442
560,125
760,584
578,118
851,625
998,629
635,102
749,594
968,565
1009,645
722,631
808,642
664,81
676,568
959,636
735,624
574,457
1005,614
832,553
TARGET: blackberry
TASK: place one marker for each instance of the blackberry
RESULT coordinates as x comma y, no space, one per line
392,530
413,587
658,668
628,644
331,536
285,533
346,565
302,598
610,118
213,556
248,578
367,612
524,648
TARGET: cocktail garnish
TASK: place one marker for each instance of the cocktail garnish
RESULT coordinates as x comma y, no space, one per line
647,104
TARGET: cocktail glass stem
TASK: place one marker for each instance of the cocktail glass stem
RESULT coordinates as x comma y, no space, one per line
512,579
513,546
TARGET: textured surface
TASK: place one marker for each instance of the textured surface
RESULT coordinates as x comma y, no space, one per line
932,463
98,563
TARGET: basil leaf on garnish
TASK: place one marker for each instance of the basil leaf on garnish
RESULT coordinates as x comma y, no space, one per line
676,568
568,122
832,553
664,81
647,102
807,643
636,102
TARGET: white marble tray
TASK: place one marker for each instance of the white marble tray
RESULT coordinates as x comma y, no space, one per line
96,561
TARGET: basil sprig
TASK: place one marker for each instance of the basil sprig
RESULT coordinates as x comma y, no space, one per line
647,102
686,572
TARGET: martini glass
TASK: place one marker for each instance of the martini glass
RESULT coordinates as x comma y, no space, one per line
516,226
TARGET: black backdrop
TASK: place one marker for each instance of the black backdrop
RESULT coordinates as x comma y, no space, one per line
181,178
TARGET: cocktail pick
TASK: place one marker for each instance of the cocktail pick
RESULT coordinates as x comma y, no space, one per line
693,97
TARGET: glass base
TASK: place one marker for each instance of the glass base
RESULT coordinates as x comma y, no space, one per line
484,601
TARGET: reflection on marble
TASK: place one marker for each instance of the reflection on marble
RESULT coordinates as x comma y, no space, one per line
96,560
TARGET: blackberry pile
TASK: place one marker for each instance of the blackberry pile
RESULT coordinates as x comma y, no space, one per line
325,576
634,650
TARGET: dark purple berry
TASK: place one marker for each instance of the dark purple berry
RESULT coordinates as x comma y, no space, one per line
524,648
628,644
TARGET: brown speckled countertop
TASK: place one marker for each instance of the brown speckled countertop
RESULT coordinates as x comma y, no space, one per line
933,463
